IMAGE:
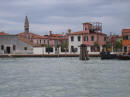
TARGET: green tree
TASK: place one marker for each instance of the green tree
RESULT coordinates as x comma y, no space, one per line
118,45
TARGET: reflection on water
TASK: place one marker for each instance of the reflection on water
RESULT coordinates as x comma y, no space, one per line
64,77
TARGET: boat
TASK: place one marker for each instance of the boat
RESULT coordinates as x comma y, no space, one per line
124,57
108,55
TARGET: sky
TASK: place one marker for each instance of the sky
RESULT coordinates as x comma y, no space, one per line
60,15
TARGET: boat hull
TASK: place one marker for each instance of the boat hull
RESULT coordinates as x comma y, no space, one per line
108,56
124,57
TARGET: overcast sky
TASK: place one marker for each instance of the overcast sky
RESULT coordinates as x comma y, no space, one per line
60,15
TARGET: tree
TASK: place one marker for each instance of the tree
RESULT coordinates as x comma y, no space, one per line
118,45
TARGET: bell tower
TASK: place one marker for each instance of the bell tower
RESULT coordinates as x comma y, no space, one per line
26,27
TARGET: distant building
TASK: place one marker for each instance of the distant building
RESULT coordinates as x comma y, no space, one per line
91,36
126,40
12,44
112,42
52,40
3,33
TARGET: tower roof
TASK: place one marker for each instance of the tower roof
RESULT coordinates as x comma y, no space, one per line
26,22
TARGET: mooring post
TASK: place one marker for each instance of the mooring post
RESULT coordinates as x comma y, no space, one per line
83,52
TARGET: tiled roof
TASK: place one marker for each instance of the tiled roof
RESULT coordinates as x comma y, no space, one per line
3,33
87,23
27,41
83,33
52,36
57,35
126,30
30,33
58,38
40,37
22,37
77,33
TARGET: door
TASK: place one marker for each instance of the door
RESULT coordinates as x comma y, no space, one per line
8,50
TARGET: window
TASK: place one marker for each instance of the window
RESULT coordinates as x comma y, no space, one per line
14,47
40,41
85,28
129,37
92,38
25,48
125,49
92,48
49,49
75,49
72,38
2,47
85,38
79,38
72,48
26,28
125,37
105,38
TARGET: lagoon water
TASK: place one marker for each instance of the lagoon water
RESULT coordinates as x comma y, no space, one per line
64,77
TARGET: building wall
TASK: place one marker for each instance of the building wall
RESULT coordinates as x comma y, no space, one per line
75,43
52,42
90,42
126,43
40,41
38,50
42,50
10,40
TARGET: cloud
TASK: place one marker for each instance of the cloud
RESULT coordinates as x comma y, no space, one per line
60,15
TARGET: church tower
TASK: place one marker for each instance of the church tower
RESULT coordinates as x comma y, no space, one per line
26,27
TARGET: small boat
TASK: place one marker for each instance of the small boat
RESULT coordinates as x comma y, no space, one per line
124,57
108,55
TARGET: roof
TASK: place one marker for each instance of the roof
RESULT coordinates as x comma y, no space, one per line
88,23
53,36
126,30
57,35
3,33
27,41
77,33
58,38
40,37
84,32
26,22
30,33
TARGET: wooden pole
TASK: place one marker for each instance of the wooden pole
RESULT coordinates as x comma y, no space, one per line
83,52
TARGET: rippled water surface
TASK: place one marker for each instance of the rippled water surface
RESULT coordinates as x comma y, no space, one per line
64,77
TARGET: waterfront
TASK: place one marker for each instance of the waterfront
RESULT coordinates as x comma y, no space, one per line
64,77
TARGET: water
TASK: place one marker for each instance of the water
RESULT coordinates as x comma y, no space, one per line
64,77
